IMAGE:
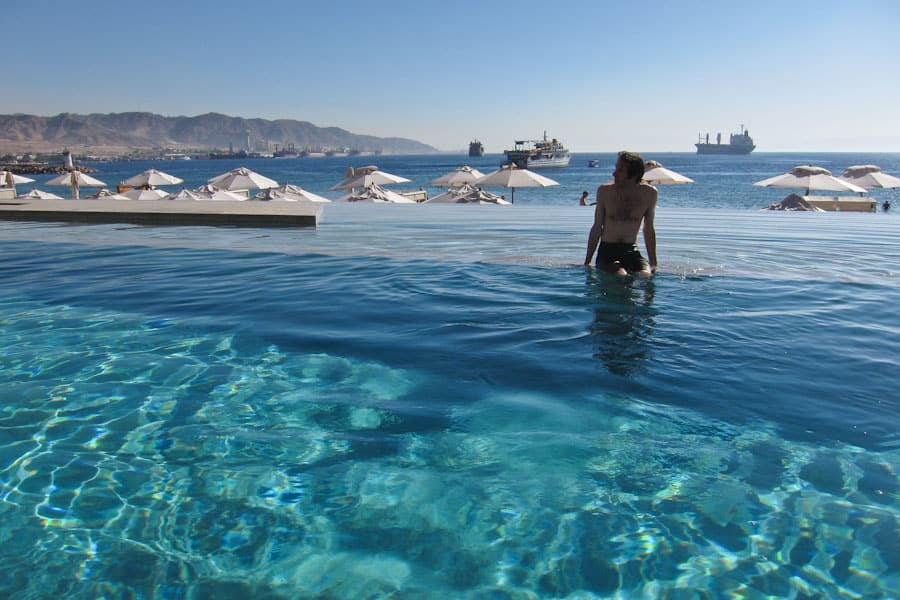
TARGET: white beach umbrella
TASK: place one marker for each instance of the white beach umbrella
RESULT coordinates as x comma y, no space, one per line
459,176
75,180
869,177
810,178
365,176
36,194
152,177
377,194
225,196
106,194
467,194
10,179
211,192
145,194
289,193
511,176
656,174
242,178
187,195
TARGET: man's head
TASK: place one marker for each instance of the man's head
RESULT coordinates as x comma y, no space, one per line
630,165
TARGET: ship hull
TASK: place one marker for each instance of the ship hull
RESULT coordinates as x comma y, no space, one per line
725,149
525,160
556,162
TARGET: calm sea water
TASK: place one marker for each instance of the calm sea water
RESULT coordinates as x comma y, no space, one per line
438,401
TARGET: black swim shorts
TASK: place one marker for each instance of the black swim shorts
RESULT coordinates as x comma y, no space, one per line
613,256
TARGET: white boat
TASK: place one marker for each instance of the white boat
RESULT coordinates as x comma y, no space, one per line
538,154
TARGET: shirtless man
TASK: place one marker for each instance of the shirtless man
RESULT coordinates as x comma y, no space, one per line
621,208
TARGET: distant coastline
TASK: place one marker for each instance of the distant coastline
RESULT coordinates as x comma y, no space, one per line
148,135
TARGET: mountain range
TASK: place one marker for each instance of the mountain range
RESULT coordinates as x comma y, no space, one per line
143,130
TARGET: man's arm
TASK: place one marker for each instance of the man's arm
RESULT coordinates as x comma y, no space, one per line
650,232
596,230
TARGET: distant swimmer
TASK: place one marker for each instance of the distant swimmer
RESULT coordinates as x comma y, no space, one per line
583,201
886,206
622,206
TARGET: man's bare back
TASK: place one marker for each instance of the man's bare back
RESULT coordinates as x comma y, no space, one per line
622,206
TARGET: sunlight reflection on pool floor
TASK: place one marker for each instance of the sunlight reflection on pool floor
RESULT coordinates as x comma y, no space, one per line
171,461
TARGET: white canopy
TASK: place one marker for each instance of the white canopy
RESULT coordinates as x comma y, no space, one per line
809,177
75,179
869,177
37,194
148,194
152,177
106,194
375,193
459,176
656,174
187,195
365,176
211,192
10,179
289,193
511,176
242,178
467,194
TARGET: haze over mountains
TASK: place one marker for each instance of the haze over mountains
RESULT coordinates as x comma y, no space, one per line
143,130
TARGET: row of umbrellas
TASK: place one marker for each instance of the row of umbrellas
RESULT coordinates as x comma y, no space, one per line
858,179
144,186
465,178
362,184
367,184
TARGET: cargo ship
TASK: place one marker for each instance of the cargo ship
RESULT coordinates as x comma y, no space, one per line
476,148
739,143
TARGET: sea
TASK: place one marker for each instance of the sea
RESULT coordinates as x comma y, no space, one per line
440,401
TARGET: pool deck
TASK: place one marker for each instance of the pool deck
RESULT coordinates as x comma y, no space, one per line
165,212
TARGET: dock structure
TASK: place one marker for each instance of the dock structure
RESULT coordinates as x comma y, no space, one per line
164,212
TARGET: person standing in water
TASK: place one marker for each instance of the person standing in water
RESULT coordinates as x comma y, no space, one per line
622,207
583,201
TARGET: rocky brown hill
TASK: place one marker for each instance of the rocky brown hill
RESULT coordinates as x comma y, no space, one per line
141,130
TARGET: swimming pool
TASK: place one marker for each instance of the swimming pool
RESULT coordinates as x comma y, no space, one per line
439,401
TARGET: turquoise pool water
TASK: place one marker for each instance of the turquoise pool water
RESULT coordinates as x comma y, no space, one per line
418,402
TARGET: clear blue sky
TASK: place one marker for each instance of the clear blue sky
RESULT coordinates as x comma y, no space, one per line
601,76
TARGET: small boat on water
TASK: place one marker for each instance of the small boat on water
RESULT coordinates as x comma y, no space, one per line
476,148
538,154
739,143
594,163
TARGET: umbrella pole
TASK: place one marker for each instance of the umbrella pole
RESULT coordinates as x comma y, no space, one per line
512,196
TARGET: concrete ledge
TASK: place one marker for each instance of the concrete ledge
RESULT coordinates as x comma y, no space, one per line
165,212
843,203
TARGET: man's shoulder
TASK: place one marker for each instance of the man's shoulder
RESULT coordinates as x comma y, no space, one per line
648,190
606,188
